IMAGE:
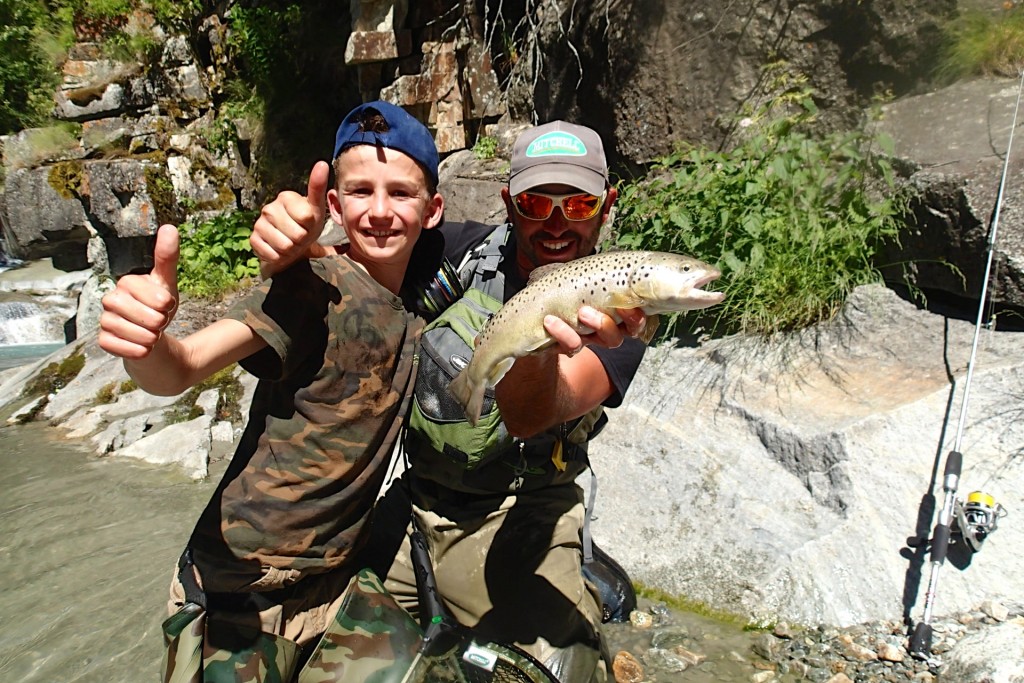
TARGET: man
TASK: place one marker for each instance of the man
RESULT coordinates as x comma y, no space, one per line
498,503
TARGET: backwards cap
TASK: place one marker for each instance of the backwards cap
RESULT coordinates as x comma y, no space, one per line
405,134
558,153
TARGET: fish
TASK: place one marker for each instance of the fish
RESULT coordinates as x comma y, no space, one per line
656,281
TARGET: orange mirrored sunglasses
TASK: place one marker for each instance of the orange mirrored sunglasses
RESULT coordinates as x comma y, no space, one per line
537,206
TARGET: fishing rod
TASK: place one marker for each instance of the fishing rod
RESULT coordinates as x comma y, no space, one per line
973,521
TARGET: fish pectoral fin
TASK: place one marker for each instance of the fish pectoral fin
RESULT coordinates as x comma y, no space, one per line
650,328
541,345
499,371
624,300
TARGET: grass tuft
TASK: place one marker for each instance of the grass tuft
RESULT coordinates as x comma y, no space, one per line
979,43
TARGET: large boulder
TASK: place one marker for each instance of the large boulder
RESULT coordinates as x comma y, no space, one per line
782,481
45,217
954,144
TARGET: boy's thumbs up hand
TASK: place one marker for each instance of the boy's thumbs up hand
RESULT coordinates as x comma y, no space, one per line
289,226
140,307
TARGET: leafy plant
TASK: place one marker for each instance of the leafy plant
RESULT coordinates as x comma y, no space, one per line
979,43
793,221
486,147
27,78
256,37
215,254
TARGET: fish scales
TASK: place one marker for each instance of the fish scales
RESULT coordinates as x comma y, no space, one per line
657,282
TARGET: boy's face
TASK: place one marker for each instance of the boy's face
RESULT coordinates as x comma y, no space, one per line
382,202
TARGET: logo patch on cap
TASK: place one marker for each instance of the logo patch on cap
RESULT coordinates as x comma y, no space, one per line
557,144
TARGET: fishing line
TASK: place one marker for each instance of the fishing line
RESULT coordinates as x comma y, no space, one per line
988,271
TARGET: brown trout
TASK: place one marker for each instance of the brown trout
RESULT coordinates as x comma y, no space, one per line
657,282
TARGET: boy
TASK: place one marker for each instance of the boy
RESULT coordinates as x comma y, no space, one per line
333,348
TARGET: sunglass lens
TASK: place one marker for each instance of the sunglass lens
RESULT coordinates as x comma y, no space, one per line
581,206
534,206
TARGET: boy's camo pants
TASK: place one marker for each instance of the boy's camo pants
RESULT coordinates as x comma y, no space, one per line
367,635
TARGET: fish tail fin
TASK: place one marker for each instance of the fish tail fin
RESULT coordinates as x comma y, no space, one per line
469,395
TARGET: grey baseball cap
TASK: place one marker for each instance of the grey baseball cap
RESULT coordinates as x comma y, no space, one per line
558,153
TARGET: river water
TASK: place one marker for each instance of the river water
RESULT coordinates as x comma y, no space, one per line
87,546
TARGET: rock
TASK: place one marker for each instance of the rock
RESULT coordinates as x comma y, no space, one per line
627,669
840,678
995,609
641,619
992,655
780,481
186,444
890,652
955,139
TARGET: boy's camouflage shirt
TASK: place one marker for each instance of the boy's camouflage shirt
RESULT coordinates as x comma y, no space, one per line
301,484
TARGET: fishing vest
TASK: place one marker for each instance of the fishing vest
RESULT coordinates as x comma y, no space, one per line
437,422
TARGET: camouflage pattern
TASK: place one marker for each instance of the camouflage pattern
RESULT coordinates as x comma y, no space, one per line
371,639
266,659
296,498
183,640
189,657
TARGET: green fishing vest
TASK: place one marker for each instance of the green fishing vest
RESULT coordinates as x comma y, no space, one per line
436,420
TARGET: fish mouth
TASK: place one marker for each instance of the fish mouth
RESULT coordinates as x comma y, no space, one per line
710,296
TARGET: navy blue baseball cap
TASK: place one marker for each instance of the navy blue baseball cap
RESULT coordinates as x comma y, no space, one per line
405,134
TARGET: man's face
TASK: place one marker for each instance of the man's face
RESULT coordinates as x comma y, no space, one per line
555,239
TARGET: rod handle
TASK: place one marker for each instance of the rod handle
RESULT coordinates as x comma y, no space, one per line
940,543
440,631
954,462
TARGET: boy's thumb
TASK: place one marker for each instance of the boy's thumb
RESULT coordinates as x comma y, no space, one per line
165,258
316,190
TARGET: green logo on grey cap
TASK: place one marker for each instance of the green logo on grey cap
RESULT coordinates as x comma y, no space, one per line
557,144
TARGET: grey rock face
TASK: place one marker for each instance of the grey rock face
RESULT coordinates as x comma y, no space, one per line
782,481
955,142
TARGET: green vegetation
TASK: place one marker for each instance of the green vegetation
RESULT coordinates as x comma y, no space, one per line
55,376
127,386
27,76
486,147
215,254
684,604
793,221
66,178
185,408
979,43
106,393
